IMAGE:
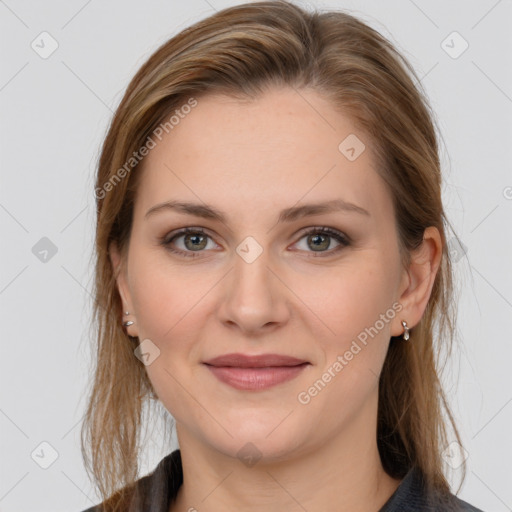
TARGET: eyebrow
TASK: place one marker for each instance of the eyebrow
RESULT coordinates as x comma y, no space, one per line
291,214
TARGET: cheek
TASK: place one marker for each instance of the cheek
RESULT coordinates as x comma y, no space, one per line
169,310
348,299
358,313
165,296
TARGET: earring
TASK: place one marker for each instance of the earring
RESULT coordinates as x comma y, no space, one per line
130,322
406,331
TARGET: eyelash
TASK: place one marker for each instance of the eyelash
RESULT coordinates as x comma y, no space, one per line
337,235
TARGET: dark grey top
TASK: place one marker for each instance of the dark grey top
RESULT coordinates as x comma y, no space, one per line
156,491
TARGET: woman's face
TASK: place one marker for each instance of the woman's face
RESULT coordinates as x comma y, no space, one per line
256,283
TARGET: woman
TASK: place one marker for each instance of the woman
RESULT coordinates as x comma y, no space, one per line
272,268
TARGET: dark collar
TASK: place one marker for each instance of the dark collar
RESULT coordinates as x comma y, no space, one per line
156,491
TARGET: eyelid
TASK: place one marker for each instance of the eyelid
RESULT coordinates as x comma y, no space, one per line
326,229
169,237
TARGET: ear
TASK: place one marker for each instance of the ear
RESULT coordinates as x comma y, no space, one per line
120,273
418,280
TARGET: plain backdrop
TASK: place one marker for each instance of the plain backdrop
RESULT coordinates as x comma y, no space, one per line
55,109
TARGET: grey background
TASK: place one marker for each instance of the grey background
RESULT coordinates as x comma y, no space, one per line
54,115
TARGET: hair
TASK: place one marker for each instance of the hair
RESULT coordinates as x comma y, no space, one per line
241,51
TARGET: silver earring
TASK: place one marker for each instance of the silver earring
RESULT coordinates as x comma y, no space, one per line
130,322
406,331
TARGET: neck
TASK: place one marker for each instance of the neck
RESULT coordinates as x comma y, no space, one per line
344,474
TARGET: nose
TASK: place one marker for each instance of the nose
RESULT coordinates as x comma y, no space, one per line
255,298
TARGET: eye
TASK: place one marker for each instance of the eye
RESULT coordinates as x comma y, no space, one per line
195,240
320,238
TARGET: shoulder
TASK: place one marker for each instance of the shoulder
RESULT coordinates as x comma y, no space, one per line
451,503
466,506
412,496
152,492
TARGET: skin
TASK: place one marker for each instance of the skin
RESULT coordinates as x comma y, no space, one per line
251,159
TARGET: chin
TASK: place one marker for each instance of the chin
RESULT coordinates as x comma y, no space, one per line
266,437
250,450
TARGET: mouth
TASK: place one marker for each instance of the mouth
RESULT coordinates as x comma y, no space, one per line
254,373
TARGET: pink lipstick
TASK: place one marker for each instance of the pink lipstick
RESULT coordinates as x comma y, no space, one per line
254,373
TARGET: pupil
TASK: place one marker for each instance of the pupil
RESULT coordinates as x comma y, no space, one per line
194,239
318,238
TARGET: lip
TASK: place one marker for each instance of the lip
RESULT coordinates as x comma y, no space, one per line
257,372
256,361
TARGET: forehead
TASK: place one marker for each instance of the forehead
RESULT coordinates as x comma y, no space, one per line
267,153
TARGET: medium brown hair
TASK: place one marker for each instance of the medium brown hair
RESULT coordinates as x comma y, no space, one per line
241,51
